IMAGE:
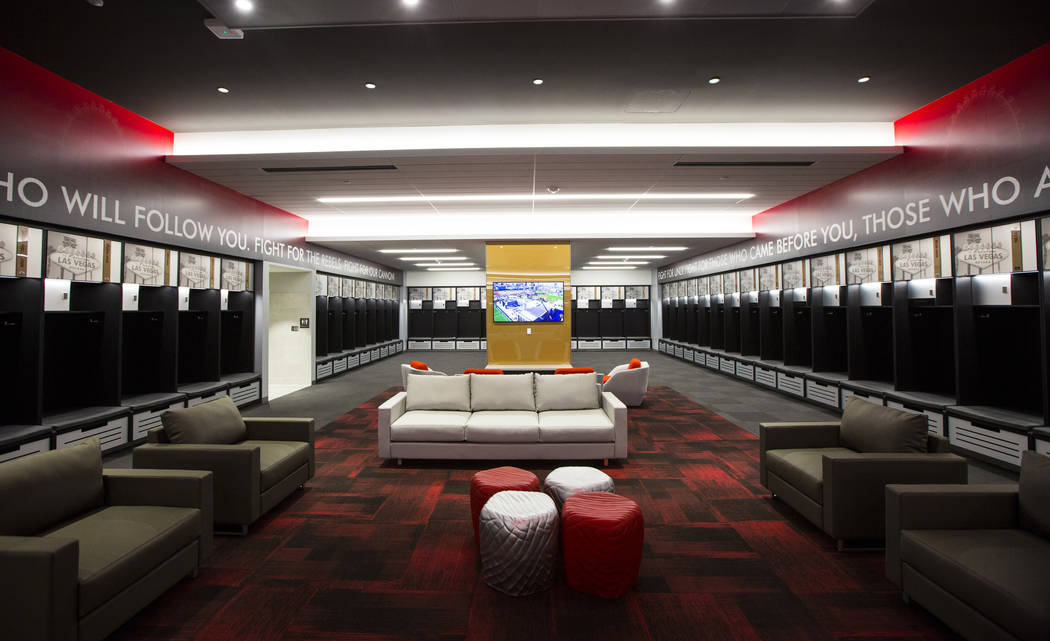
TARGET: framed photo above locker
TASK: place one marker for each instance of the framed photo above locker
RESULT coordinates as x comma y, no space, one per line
996,250
922,258
82,258
871,265
827,271
21,249
151,266
768,278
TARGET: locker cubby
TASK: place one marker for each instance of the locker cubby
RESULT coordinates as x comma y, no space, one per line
421,322
703,322
770,326
690,321
828,322
718,322
346,319
749,325
666,320
321,331
587,321
869,327
149,344
446,323
334,324
361,329
469,322
924,326
610,321
679,311
199,327
21,318
732,323
237,334
371,323
798,330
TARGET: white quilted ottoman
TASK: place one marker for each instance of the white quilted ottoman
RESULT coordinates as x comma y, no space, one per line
566,481
519,541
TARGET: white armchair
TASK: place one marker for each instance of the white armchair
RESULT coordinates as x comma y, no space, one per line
407,369
628,383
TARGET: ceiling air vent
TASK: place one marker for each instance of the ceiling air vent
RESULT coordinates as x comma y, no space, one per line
300,170
746,163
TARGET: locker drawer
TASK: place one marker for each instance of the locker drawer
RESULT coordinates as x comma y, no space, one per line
711,361
339,365
688,354
994,443
248,393
745,371
793,385
194,401
678,351
148,420
375,353
614,344
727,366
25,449
366,357
443,345
324,370
767,377
846,393
416,344
468,345
822,393
934,419
113,434
353,360
574,344
1042,446
590,344
639,344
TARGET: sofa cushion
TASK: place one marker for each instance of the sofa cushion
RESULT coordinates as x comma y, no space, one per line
575,426
119,545
43,490
450,393
1004,574
278,459
867,427
508,392
802,468
1034,492
566,392
505,426
429,426
216,422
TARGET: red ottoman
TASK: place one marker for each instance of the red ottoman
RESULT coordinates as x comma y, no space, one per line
601,537
487,482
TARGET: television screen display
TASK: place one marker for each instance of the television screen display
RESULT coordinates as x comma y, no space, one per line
528,302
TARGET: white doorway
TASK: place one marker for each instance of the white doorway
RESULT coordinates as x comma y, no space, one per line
289,347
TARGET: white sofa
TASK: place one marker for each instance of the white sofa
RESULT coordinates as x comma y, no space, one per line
516,416
407,370
628,384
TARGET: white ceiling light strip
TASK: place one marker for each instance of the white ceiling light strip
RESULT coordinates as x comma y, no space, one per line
418,251
550,136
514,198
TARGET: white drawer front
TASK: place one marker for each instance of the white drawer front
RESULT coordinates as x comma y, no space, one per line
727,365
791,384
194,401
25,449
574,344
767,377
384,351
148,420
246,393
614,344
745,371
353,361
443,345
639,344
590,344
468,345
324,370
1042,446
339,366
846,393
678,351
112,434
711,361
822,393
1000,445
375,352
934,419
688,354
418,344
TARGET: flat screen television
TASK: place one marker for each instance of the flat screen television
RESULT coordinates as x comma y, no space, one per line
528,302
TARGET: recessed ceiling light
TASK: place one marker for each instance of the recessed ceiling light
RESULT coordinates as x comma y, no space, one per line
537,81
597,267
446,264
622,262
630,257
666,1
453,269
410,3
863,79
450,258
646,249
553,189
418,251
244,5
714,80
466,198
370,85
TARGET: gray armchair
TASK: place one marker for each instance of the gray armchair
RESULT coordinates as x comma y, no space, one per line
83,549
976,556
257,462
835,473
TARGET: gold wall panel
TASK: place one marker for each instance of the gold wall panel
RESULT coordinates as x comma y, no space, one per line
510,344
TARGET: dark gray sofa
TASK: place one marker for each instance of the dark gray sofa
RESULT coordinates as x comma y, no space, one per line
835,473
83,549
257,462
976,556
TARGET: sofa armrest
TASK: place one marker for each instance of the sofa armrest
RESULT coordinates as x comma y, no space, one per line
166,488
283,429
855,487
945,507
389,411
617,413
39,580
783,436
235,468
937,444
157,435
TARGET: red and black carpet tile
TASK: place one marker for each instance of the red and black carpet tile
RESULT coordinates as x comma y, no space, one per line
372,551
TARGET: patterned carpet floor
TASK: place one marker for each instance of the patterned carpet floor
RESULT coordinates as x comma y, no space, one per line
372,551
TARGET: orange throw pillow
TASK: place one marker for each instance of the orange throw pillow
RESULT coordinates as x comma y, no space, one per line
482,371
634,364
605,380
418,365
575,370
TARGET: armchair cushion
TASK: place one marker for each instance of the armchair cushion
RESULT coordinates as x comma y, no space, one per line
41,491
803,468
1034,493
278,459
510,392
216,422
450,393
120,545
1004,573
867,427
566,392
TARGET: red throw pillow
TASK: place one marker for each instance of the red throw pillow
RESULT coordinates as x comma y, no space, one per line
634,364
482,371
574,370
418,365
